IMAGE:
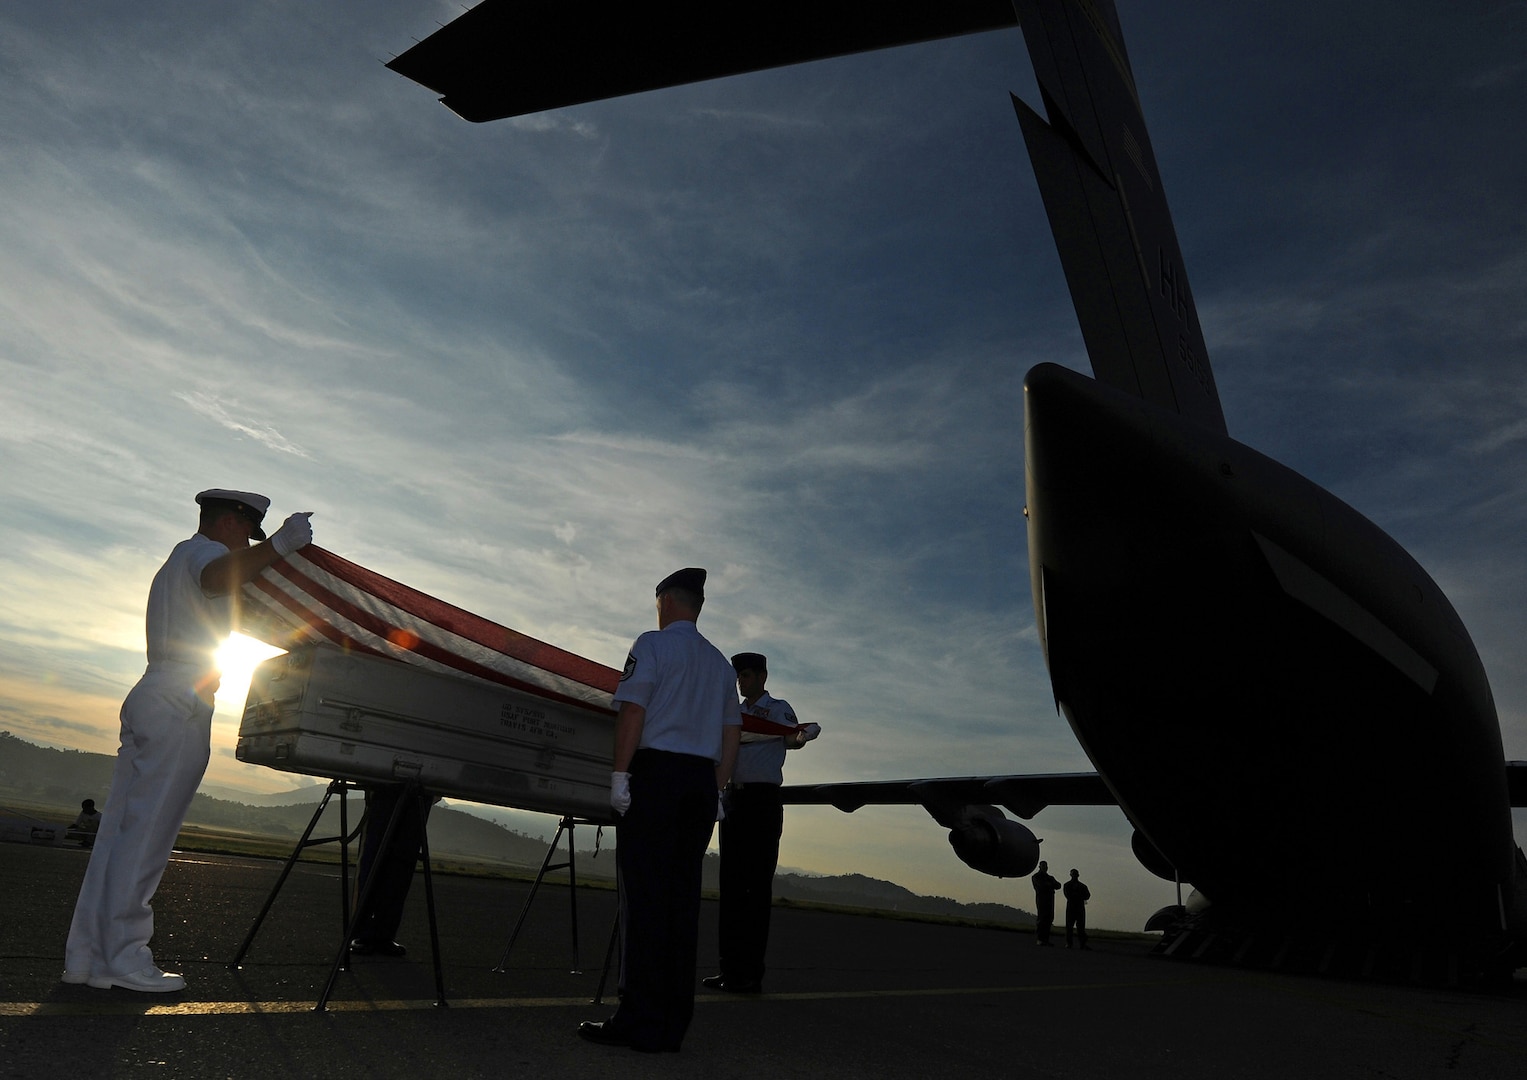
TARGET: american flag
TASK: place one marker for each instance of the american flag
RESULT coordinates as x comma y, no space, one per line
314,594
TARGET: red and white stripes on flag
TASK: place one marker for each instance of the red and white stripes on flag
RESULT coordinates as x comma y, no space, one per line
313,594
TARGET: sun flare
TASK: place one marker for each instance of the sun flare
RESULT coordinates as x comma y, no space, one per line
237,658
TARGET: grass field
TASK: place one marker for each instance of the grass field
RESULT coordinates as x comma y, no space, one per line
253,845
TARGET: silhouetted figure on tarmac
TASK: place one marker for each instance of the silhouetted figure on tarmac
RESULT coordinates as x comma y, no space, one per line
1045,888
1076,895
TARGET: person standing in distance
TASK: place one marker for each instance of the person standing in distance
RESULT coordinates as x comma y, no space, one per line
1045,888
750,831
166,737
676,736
1077,895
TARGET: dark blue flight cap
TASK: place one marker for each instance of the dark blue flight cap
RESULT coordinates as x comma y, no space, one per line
690,579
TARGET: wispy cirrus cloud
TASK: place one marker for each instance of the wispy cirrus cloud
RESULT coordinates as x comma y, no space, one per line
221,412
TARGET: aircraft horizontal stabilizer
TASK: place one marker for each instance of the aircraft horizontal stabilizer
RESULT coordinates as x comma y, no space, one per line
513,57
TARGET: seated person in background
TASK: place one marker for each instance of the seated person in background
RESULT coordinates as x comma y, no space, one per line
87,823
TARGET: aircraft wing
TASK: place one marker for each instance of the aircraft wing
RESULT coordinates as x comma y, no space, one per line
1022,795
513,57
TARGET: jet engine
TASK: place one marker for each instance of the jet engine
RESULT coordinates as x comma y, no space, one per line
987,840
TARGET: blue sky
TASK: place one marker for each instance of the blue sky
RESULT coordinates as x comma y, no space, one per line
774,325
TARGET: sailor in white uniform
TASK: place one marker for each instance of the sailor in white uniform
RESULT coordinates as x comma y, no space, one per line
166,737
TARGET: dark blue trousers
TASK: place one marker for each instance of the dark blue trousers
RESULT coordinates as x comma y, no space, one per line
749,854
660,849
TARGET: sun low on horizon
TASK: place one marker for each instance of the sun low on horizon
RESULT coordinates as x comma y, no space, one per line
236,659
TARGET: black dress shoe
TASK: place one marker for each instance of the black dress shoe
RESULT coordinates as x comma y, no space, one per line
377,948
713,981
733,986
599,1031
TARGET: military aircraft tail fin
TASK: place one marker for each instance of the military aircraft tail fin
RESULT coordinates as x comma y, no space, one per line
1108,212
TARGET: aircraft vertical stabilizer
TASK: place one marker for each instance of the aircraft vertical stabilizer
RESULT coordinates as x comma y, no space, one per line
1108,211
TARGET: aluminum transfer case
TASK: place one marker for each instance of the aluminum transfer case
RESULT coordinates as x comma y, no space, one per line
324,712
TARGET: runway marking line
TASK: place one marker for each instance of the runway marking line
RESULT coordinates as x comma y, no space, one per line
136,1007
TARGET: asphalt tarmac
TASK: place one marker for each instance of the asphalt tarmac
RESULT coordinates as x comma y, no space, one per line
846,996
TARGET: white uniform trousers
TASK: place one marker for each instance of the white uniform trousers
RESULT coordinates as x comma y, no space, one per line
166,743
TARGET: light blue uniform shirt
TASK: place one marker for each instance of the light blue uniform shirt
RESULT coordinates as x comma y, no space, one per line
687,687
761,758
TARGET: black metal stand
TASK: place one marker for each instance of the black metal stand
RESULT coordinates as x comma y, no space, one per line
411,797
565,825
342,788
609,953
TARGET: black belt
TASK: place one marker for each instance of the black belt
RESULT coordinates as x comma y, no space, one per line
673,754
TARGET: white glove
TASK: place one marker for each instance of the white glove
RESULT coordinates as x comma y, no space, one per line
721,806
295,532
620,791
810,731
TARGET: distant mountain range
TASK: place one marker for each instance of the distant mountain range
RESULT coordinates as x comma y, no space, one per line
40,776
307,795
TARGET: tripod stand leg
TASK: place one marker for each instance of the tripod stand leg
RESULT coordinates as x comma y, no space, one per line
562,826
368,887
609,954
572,892
344,860
429,903
286,871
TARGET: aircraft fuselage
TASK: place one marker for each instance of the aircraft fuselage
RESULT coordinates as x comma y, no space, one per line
1281,698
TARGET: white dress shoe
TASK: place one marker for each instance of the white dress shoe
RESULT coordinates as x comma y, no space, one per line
150,981
76,978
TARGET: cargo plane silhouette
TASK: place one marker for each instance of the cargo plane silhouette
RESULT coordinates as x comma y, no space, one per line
1248,662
